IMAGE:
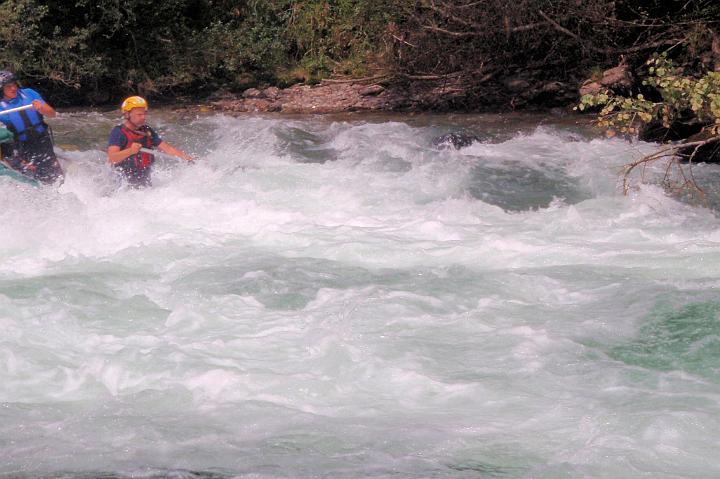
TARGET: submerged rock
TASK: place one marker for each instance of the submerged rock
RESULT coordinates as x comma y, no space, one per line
455,140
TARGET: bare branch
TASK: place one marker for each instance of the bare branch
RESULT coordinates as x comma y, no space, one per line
356,80
670,151
451,33
650,46
530,26
567,32
401,40
558,26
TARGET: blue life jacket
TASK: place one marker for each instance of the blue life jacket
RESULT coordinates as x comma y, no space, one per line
24,124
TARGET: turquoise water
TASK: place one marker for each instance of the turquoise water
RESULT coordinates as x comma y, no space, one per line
324,297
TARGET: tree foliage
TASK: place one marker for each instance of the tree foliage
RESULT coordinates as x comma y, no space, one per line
98,50
485,43
680,98
94,51
678,94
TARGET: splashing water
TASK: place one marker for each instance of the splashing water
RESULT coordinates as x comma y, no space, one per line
335,297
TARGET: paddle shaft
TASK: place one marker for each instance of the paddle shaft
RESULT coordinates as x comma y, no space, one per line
13,110
158,152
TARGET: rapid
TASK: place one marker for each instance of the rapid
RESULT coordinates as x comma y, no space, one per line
335,297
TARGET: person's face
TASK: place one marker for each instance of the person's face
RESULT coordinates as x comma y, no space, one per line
10,91
137,116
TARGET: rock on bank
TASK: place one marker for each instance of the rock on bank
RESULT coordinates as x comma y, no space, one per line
454,94
326,97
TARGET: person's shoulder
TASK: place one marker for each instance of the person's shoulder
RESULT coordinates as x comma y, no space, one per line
30,93
116,135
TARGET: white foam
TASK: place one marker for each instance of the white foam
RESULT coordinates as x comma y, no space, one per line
316,295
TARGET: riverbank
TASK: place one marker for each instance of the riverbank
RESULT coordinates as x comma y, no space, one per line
339,96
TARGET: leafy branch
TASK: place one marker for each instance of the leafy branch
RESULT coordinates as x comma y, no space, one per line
679,96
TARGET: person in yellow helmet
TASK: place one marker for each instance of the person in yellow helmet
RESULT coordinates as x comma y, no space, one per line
127,140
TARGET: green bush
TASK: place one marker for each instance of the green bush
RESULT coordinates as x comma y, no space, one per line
101,50
679,94
94,51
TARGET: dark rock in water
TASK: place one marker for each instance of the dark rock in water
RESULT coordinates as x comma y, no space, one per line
709,153
455,140
680,129
688,129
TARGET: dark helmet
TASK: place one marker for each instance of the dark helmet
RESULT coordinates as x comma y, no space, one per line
7,77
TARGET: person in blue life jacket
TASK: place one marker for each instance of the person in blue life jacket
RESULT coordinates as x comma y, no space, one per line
126,140
32,151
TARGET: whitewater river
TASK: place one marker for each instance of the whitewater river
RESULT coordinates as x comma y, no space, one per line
334,297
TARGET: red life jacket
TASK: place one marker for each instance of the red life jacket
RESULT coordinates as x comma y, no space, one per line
141,161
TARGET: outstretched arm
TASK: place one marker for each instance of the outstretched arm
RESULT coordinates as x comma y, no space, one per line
166,147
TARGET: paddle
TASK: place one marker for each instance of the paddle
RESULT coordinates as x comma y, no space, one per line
162,153
13,110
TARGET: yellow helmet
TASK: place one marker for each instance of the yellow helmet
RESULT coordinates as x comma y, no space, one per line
133,102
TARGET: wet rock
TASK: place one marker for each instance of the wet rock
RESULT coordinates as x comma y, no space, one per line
274,106
455,140
255,105
271,93
252,93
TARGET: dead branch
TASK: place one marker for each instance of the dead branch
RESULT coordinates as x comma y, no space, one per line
473,4
433,77
529,26
449,32
653,45
444,10
559,27
357,80
401,40
452,75
567,32
688,183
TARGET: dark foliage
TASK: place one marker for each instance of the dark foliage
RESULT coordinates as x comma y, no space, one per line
473,52
494,50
